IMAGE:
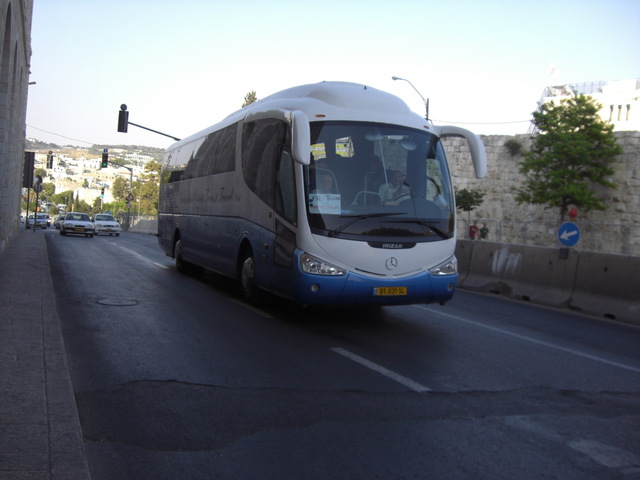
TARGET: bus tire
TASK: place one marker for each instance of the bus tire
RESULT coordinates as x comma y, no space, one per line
181,265
250,292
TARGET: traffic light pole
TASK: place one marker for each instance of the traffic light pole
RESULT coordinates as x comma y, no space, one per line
123,123
130,189
154,131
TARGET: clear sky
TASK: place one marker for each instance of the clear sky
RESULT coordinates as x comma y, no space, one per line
182,65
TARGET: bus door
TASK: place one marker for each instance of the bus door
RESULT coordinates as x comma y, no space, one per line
268,170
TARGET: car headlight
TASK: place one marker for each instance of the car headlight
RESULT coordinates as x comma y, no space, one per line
448,267
316,266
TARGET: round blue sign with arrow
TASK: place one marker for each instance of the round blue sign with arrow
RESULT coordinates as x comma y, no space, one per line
568,234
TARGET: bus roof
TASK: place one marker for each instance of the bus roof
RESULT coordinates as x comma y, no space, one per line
327,101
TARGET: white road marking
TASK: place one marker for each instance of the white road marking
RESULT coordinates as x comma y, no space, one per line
611,457
530,339
141,257
407,382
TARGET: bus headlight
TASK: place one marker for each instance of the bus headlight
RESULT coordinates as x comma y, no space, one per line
315,266
449,267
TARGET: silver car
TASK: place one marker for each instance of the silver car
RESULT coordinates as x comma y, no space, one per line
78,224
41,220
105,223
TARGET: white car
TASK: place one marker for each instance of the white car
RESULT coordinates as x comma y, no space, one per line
78,224
105,223
41,220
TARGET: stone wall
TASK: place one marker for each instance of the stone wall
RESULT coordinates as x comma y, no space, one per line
15,56
615,230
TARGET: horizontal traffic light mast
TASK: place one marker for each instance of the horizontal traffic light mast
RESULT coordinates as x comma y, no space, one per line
123,123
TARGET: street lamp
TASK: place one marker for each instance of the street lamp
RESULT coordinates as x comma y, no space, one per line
426,102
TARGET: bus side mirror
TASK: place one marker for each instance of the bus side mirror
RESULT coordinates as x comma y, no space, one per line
300,138
476,147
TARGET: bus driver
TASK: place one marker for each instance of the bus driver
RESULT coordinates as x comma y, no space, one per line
391,193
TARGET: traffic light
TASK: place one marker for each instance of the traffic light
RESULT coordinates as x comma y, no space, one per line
105,159
50,159
102,192
123,119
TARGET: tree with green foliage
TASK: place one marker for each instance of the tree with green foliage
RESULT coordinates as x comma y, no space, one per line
65,197
147,189
120,188
571,157
468,200
250,98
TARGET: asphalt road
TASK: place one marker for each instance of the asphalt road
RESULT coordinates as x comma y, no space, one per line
176,378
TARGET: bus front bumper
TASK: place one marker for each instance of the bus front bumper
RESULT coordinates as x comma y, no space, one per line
358,289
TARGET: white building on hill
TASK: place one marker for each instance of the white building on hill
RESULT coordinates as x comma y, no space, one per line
620,100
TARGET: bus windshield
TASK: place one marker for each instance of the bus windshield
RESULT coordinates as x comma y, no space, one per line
372,181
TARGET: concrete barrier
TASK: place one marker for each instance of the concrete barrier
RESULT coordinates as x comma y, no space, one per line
603,285
608,285
145,226
545,276
493,267
464,250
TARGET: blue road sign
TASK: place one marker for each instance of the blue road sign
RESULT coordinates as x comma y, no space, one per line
568,234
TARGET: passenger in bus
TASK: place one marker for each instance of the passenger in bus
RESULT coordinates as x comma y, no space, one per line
396,190
325,183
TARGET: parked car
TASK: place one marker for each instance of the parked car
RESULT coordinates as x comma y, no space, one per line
58,220
105,223
78,224
41,220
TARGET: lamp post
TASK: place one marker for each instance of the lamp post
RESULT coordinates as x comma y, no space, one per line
426,101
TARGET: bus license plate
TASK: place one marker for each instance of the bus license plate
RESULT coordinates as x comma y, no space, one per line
387,291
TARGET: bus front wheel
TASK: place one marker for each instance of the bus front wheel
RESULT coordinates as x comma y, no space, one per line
250,292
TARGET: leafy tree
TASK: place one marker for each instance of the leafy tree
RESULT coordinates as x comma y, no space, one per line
570,157
249,98
120,188
48,190
81,206
148,189
65,197
468,200
97,205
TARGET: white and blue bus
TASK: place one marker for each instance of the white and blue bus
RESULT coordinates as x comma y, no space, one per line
326,194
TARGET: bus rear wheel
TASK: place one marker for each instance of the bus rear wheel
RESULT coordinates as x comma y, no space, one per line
181,265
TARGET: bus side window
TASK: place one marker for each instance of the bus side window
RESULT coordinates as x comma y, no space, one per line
263,142
217,153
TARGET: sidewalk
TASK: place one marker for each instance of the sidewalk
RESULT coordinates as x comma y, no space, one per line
40,436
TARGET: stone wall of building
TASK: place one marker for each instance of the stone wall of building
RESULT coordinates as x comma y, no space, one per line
615,230
15,42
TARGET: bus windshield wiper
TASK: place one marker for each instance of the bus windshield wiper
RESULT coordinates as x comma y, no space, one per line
357,218
425,223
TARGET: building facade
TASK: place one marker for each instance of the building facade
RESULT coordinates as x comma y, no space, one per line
15,41
620,100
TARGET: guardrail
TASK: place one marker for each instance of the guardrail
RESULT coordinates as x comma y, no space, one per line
600,284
